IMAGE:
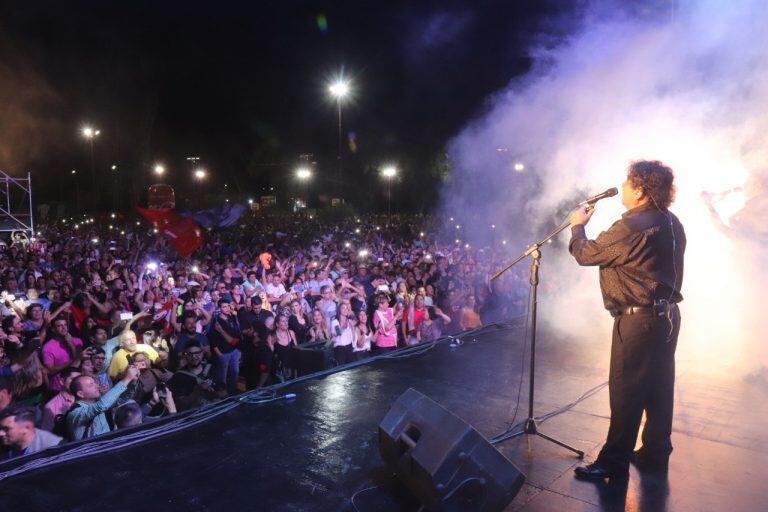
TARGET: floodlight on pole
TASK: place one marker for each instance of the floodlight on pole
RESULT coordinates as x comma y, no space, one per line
303,174
389,172
339,90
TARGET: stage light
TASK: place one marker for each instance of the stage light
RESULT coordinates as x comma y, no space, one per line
159,170
389,171
303,173
519,167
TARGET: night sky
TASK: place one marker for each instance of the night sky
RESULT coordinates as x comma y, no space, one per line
244,86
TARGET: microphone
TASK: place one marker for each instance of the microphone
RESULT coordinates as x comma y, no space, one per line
592,200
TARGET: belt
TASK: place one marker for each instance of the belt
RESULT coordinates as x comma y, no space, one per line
659,309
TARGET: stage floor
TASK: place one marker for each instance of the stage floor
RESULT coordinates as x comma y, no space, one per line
318,450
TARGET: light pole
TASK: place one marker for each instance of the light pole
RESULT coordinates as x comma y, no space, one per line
303,174
339,90
200,174
389,172
90,134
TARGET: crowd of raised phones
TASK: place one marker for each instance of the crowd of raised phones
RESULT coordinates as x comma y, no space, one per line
105,327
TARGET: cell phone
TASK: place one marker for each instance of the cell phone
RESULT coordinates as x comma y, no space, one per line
125,316
119,262
162,390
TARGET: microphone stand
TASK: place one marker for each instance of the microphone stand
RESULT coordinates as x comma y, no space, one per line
534,251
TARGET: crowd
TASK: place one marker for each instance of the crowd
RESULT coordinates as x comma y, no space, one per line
106,327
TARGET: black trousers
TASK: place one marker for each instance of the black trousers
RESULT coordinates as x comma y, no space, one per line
641,378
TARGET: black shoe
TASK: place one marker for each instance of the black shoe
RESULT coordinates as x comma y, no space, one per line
597,471
644,461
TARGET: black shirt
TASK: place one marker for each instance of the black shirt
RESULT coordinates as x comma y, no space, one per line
640,257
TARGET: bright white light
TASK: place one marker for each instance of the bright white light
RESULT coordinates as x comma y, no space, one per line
152,266
466,246
95,240
114,167
421,234
346,244
458,226
195,269
112,215
357,230
493,226
138,223
74,171
250,201
200,174
155,230
339,89
159,170
504,242
389,171
428,256
303,173
363,253
519,167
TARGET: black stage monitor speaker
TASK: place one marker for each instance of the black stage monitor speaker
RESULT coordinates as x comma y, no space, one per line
445,462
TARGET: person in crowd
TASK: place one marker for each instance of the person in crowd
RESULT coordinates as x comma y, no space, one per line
299,322
189,334
344,334
431,327
470,319
415,312
6,392
193,384
318,331
225,337
285,341
128,348
60,403
86,417
363,336
19,436
61,351
385,321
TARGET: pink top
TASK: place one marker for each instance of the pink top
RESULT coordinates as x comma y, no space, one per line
59,404
384,338
54,354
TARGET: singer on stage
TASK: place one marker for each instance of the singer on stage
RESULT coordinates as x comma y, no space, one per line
641,272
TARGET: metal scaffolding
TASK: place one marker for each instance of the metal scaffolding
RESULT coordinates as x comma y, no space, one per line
16,204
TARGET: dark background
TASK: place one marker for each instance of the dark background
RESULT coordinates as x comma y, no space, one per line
244,87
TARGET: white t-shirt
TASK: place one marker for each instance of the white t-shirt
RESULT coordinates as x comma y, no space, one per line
277,291
347,336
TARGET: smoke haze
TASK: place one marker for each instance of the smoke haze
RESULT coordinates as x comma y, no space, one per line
686,85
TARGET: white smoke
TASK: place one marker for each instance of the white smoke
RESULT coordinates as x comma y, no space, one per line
688,87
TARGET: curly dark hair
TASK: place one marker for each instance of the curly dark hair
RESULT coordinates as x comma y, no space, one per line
655,179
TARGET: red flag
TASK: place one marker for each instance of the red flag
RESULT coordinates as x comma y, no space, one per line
184,234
